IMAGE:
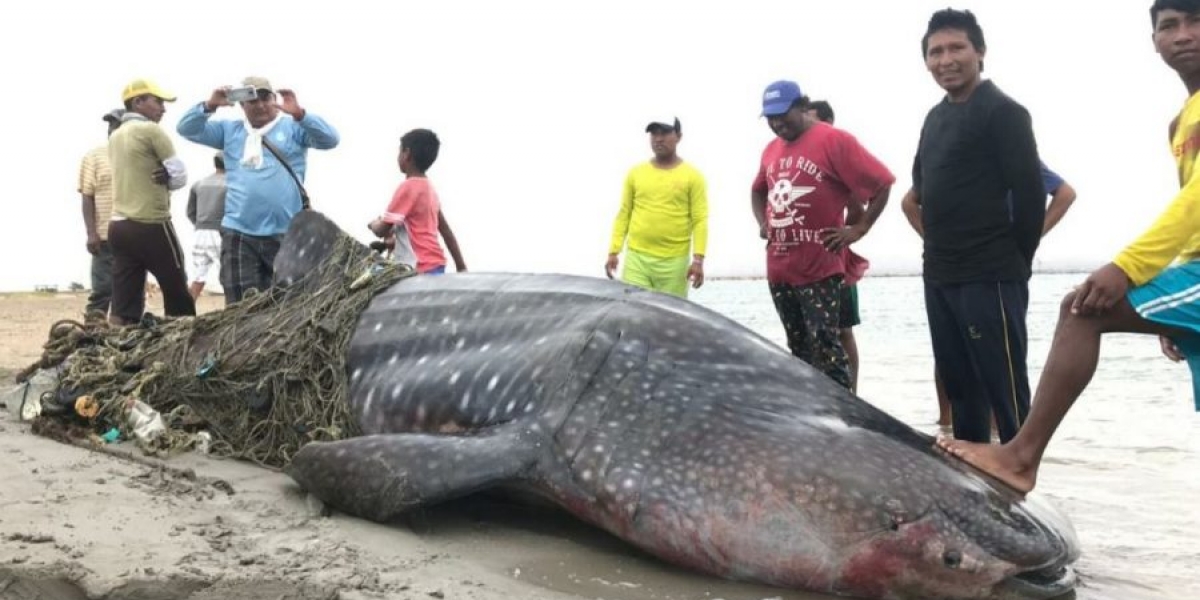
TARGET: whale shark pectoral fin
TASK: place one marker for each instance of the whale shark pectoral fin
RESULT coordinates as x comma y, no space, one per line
378,477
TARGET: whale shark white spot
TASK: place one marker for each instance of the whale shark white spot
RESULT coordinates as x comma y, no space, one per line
454,377
485,347
492,382
511,405
369,400
466,400
586,475
827,422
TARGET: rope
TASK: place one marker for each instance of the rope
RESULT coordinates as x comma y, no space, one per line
265,376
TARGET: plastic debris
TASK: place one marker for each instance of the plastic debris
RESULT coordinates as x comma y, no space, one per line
145,422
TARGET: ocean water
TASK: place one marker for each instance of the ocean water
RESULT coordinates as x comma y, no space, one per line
1124,466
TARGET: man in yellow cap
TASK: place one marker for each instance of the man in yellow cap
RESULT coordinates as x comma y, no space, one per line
145,172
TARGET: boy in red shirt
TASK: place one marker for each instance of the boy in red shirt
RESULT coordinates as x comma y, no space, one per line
415,205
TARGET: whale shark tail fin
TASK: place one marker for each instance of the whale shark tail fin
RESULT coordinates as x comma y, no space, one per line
310,239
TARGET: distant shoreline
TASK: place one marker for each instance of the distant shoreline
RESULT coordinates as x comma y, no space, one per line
50,289
871,275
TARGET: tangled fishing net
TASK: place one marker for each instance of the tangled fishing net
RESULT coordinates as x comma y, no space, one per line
264,376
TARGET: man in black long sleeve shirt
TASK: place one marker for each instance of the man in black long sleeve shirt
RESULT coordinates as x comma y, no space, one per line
976,147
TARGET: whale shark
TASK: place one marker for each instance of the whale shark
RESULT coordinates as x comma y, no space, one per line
667,424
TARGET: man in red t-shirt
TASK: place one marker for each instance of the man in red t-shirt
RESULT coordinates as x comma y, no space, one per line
808,176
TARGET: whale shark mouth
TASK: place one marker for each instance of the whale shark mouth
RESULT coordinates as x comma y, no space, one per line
1045,583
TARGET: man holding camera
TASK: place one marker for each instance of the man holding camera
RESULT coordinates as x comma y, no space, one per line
261,194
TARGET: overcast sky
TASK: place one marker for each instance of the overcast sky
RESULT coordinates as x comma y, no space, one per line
541,108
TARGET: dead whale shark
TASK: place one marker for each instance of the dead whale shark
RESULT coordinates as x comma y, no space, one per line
670,426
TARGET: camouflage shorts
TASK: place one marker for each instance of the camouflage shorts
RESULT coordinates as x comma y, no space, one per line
811,318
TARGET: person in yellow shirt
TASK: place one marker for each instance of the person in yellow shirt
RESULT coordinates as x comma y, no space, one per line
1151,287
663,216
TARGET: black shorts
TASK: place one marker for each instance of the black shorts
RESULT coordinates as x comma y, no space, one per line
848,315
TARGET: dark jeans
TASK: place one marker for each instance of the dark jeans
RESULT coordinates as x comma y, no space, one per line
247,262
980,346
101,296
138,248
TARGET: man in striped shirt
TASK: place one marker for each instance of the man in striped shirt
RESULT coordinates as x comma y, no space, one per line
95,188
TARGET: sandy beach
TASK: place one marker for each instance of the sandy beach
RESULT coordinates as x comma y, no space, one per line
114,524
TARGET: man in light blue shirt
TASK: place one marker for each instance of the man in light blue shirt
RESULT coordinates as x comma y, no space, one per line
261,196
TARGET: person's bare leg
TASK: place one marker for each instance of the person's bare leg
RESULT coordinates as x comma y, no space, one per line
195,289
851,346
1070,365
944,419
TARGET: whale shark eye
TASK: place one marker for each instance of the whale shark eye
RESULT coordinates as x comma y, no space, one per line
952,558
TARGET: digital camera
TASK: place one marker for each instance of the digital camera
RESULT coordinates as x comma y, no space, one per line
241,94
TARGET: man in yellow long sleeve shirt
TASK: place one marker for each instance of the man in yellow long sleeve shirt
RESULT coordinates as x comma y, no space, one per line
663,216
1165,295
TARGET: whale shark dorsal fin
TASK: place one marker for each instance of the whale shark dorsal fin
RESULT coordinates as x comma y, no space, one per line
310,238
378,477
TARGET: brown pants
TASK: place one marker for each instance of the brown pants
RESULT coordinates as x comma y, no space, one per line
138,248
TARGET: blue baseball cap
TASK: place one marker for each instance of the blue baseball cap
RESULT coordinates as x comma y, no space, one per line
779,96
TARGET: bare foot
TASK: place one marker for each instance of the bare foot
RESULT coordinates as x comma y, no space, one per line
995,460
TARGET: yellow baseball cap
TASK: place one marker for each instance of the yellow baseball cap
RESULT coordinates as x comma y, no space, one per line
141,87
